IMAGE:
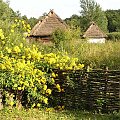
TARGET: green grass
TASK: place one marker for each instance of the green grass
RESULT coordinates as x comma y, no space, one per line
35,114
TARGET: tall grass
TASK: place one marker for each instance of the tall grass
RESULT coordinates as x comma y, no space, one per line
95,55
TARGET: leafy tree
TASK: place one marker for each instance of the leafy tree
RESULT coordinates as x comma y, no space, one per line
91,11
5,11
32,21
113,17
24,17
73,21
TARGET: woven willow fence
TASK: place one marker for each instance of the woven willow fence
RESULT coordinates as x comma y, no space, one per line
97,90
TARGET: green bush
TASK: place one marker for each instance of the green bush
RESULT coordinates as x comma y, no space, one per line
114,36
58,36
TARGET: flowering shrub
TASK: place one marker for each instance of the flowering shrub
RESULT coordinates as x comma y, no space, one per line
27,75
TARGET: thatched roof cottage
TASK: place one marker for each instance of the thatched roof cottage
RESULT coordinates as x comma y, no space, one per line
94,34
43,30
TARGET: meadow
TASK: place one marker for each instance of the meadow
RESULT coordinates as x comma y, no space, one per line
94,55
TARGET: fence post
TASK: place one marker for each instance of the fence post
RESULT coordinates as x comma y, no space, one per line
1,105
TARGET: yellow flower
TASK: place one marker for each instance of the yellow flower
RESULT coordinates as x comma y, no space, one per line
38,105
53,81
2,66
9,50
45,87
16,20
11,103
43,80
33,105
28,26
12,31
58,87
16,49
3,42
21,45
46,100
23,22
15,85
1,34
49,91
19,88
1,55
23,57
53,75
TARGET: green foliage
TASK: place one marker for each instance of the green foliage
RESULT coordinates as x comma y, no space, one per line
58,36
91,54
32,21
114,36
73,21
91,11
6,12
113,17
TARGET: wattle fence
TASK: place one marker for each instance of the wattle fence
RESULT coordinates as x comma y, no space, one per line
96,90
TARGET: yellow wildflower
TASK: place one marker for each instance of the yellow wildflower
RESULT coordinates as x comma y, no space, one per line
45,87
53,75
38,105
46,100
19,88
12,31
49,91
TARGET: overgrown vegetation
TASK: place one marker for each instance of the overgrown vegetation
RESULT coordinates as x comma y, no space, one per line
27,71
95,55
113,36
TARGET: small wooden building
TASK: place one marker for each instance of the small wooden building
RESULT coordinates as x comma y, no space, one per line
43,30
94,34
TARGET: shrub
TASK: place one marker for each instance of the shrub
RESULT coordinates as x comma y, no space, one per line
58,36
114,36
26,75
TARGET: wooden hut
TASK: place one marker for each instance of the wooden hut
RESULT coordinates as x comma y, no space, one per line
94,34
43,30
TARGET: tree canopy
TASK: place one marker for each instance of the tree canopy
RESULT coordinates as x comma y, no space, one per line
113,17
91,11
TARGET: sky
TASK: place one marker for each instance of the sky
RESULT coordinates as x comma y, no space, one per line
63,8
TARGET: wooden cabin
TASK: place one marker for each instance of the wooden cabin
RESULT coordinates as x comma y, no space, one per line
43,30
94,34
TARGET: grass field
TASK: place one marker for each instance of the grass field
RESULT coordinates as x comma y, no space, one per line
35,114
96,55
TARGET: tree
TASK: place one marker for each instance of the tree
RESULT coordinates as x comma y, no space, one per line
5,11
32,21
91,11
73,21
113,17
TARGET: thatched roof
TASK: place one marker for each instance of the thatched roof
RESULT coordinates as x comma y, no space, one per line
94,32
46,26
